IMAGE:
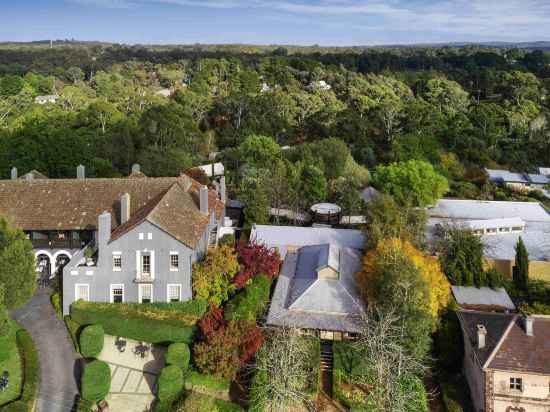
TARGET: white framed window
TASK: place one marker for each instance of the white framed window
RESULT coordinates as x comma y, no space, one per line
174,261
145,293
173,292
117,293
141,236
117,261
82,291
146,265
149,236
516,384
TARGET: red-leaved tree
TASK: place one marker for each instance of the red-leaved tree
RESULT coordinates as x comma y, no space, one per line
256,258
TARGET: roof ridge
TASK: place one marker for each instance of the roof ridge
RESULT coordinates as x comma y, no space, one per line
500,342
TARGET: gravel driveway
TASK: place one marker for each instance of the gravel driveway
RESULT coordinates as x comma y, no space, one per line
59,363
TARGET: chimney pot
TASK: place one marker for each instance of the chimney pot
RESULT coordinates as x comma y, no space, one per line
481,336
80,172
124,208
13,173
529,320
203,195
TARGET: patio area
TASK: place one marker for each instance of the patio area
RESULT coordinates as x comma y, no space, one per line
134,370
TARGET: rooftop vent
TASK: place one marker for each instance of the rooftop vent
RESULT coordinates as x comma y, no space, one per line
481,336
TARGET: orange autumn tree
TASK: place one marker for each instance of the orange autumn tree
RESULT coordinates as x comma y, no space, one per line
437,293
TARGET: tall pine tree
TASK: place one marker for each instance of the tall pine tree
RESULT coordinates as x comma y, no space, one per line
521,269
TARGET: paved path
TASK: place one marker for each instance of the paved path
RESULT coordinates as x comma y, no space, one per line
59,362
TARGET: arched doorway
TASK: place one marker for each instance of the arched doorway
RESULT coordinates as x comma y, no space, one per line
43,265
61,259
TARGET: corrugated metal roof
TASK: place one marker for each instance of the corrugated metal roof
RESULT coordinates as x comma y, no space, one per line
496,223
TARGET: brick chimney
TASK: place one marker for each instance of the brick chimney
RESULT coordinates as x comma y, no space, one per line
203,196
481,336
529,320
124,208
13,173
80,172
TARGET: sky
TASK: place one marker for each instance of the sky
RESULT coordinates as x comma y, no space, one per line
299,22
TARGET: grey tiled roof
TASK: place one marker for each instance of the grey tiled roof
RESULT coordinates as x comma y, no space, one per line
469,295
303,300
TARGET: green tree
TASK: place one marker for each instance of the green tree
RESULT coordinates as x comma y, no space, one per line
259,151
447,95
75,74
414,182
314,184
521,268
334,154
255,194
17,266
11,85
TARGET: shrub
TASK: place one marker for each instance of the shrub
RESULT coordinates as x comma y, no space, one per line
96,381
194,379
197,402
82,405
250,303
31,365
155,323
178,354
227,240
91,341
74,330
256,258
56,303
170,383
7,346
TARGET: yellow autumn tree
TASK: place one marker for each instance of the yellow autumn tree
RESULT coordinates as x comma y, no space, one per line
435,294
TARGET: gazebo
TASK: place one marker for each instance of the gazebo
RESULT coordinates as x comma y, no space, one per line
326,213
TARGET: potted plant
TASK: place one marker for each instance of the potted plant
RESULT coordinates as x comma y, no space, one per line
89,253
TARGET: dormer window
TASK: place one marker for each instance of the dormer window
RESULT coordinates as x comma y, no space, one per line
516,384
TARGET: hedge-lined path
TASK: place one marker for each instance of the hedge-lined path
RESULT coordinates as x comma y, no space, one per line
133,378
59,362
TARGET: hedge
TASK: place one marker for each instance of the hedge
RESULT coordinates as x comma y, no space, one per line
195,379
56,303
203,403
74,330
154,322
91,340
96,381
31,374
178,354
7,343
251,302
170,383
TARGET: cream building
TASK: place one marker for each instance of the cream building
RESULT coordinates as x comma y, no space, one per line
507,361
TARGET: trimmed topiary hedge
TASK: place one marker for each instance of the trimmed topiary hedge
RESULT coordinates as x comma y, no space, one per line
91,341
170,383
178,354
251,302
208,384
74,330
31,374
154,322
197,402
96,381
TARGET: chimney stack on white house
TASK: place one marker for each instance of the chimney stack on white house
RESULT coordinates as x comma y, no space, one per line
103,229
136,168
14,173
481,336
80,172
529,320
124,208
203,198
222,189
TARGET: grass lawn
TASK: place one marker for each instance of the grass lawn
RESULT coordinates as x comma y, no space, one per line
13,365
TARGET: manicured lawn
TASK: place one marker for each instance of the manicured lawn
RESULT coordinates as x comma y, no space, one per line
13,365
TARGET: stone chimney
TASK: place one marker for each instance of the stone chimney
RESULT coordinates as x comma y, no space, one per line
203,196
13,173
481,336
103,229
81,172
222,189
124,208
136,168
529,320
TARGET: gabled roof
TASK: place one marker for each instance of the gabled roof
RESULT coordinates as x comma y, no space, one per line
75,204
302,299
33,174
505,176
468,296
508,347
177,212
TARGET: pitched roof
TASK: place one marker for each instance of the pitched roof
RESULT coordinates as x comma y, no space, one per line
177,212
302,299
505,176
467,296
75,204
495,323
34,174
